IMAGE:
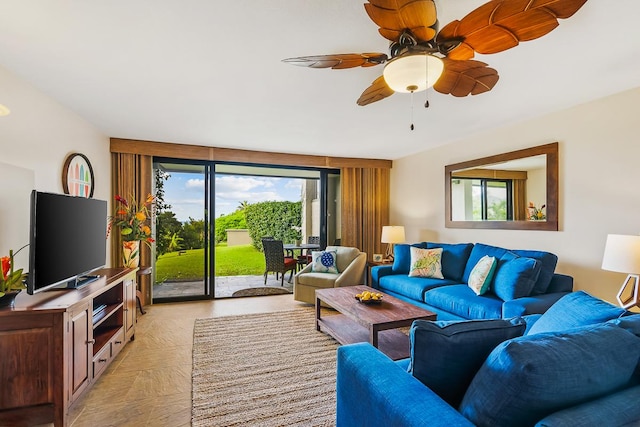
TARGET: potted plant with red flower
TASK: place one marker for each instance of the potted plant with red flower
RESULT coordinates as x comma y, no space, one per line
132,218
11,280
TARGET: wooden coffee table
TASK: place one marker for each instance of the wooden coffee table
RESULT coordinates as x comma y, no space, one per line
374,323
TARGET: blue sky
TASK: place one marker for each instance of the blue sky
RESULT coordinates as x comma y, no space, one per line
185,192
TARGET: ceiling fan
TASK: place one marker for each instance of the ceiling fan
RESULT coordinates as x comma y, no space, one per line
421,56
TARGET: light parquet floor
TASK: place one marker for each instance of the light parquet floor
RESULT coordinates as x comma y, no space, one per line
149,383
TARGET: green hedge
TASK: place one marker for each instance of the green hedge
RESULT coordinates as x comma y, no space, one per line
275,219
233,221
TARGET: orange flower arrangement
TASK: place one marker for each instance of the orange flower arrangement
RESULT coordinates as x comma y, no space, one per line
10,280
535,214
132,219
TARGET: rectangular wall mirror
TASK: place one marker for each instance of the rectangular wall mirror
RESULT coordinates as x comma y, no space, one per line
505,191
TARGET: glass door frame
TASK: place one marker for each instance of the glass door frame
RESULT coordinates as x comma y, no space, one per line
209,212
208,253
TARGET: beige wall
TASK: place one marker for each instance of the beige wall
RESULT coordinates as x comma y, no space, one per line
36,138
599,189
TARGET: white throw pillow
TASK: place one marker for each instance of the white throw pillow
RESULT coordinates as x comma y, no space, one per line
426,263
481,275
324,262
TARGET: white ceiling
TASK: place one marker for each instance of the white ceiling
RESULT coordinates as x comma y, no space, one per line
208,72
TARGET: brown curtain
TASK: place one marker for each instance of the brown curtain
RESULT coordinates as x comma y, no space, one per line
519,200
365,207
131,178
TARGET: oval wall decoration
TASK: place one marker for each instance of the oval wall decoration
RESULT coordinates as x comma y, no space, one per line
77,176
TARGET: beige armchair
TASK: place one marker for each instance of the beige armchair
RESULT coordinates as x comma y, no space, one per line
351,264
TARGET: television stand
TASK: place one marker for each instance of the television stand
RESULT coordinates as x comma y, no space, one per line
56,344
82,281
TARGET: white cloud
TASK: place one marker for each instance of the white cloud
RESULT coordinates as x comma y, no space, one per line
195,183
226,183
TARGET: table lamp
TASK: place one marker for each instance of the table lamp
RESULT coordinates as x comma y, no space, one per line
392,234
622,254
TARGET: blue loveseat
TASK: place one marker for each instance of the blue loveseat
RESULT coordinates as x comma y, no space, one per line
575,365
524,282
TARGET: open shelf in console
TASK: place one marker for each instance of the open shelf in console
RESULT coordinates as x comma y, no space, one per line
108,316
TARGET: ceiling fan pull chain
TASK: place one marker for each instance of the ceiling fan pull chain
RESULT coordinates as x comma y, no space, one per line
426,92
412,127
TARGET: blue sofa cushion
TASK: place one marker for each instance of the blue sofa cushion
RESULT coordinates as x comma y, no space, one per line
411,287
528,378
631,323
462,301
574,310
454,258
402,257
515,278
612,410
445,356
548,262
479,250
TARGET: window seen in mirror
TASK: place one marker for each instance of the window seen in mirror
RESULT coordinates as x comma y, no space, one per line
482,199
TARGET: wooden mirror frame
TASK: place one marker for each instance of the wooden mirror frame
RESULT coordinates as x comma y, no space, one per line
551,224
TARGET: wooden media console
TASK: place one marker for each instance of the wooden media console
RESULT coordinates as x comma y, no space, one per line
55,344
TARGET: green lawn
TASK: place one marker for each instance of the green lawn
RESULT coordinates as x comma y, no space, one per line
230,261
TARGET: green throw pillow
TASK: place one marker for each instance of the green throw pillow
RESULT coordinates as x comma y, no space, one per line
481,275
426,263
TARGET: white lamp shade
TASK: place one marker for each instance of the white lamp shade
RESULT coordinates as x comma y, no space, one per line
413,73
622,254
392,234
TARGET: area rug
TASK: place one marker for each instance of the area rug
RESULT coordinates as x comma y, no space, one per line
271,369
260,291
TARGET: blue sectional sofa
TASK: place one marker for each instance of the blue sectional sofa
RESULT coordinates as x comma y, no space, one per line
524,281
575,365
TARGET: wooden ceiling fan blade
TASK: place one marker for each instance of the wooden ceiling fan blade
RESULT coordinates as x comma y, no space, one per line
462,78
339,61
377,91
395,16
561,9
502,24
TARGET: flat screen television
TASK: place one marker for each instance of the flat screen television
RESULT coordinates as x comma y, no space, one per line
67,240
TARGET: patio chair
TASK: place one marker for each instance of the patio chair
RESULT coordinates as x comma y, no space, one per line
276,262
350,263
304,259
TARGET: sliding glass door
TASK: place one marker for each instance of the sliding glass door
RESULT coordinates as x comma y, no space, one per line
181,270
211,218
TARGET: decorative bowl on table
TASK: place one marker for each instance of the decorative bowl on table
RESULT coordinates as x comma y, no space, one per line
368,298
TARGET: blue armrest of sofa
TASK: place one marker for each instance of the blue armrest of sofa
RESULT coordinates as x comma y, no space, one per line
372,390
560,283
530,305
378,272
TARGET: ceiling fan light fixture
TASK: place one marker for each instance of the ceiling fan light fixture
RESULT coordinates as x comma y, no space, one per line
413,73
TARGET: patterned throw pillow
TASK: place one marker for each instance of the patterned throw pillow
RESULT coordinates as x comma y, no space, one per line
324,262
426,263
481,275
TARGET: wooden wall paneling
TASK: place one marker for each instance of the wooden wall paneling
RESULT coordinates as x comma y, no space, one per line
351,228
145,187
365,207
196,152
161,149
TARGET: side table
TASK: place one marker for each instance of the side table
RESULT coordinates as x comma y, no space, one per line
143,275
370,265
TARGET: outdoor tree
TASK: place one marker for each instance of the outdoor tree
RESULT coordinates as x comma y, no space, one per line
168,225
165,219
193,234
